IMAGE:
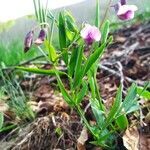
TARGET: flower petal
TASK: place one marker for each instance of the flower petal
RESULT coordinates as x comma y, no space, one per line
90,34
124,8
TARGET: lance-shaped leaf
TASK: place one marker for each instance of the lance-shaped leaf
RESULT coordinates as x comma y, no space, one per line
73,61
116,106
78,68
64,92
62,36
105,31
82,93
98,113
70,22
93,58
52,51
122,122
129,100
41,71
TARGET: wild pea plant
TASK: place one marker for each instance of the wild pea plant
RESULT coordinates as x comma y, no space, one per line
81,67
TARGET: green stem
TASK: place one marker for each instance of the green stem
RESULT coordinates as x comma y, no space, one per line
106,12
98,94
83,118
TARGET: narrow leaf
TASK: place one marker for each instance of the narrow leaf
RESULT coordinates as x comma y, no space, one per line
62,31
70,21
65,94
72,62
93,58
52,51
122,122
62,37
98,113
97,20
105,31
41,71
144,93
78,68
130,98
82,93
1,120
114,110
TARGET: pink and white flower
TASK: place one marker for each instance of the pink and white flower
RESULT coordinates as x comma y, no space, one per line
125,12
90,34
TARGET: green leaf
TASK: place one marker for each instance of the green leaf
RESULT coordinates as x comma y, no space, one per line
8,128
72,62
92,86
52,51
98,113
144,93
97,20
40,71
122,122
105,31
65,94
70,35
1,119
129,100
62,37
62,31
115,108
93,58
70,22
78,68
82,93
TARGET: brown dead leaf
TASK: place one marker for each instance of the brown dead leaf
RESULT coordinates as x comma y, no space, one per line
133,140
3,107
82,139
120,39
144,142
44,91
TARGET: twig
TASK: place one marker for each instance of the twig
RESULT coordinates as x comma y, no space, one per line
141,83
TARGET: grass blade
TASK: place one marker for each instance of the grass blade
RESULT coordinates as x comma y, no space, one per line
97,20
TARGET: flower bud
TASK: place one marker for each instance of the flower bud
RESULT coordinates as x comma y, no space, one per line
41,37
90,34
28,41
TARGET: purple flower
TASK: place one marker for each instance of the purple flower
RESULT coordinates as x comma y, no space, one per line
125,12
90,34
28,41
41,37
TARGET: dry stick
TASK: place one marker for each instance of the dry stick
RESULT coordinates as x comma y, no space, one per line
120,68
101,66
23,140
